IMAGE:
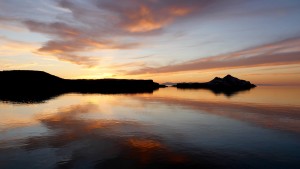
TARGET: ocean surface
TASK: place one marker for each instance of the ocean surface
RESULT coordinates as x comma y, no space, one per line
170,128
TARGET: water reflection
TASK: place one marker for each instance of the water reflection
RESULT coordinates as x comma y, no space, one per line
81,142
167,129
228,93
274,117
30,98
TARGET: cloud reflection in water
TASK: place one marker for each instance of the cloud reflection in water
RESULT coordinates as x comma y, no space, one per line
169,129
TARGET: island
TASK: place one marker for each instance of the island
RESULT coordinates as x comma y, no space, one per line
35,86
227,85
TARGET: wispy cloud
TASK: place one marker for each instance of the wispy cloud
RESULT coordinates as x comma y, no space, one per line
148,15
75,28
101,25
67,40
8,47
280,53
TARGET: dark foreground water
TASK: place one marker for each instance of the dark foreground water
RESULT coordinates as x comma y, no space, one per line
167,129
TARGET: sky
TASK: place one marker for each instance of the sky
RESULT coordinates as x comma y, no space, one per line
163,40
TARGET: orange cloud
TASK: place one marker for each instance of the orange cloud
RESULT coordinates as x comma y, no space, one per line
180,11
145,20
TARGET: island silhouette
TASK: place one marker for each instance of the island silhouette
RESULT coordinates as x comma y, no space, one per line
27,86
227,85
37,86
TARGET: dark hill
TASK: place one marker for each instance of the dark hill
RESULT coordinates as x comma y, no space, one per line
27,76
228,85
22,84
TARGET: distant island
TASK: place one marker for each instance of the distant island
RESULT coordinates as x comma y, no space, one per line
35,86
227,85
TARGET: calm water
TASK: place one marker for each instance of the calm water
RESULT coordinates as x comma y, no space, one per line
167,129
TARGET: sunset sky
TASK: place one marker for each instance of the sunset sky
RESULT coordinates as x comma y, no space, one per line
163,40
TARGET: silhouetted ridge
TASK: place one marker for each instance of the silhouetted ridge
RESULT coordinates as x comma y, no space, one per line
27,76
19,85
228,85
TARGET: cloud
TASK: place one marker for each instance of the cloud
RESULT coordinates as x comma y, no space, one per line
80,60
9,66
8,47
280,53
80,26
67,41
147,15
57,29
101,24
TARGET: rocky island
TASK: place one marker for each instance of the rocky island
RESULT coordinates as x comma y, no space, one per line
227,85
